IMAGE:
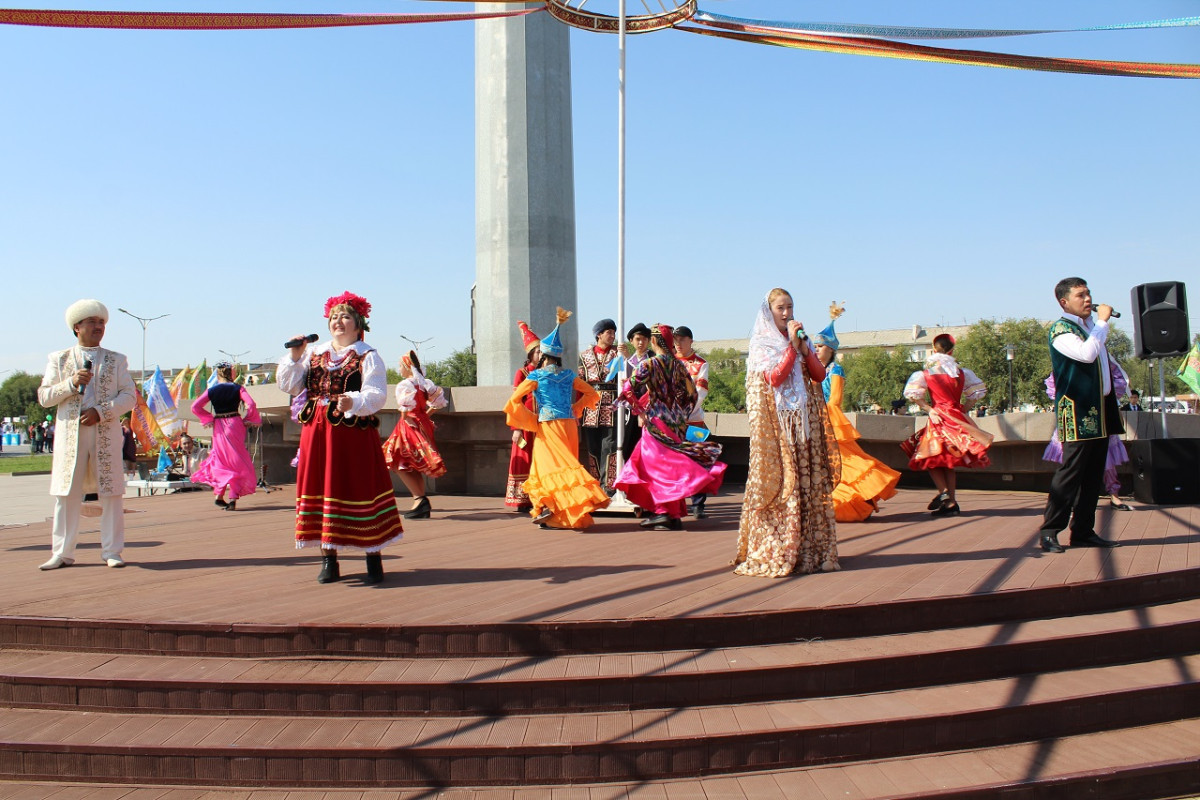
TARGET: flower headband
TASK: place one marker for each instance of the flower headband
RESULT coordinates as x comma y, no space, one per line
357,302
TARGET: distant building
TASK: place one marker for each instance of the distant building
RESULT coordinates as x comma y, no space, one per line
918,339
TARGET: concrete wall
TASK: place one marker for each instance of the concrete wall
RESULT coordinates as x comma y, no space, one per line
473,439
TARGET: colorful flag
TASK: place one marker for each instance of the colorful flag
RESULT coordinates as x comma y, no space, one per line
158,398
164,461
143,424
198,385
179,385
1189,370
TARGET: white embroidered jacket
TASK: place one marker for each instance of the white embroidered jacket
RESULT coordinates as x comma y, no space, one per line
115,394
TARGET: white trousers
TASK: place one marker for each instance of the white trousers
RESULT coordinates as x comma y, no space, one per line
65,534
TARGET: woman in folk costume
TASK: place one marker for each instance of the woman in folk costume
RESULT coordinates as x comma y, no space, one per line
1117,454
228,469
665,469
865,481
949,440
410,450
522,446
563,494
787,520
344,497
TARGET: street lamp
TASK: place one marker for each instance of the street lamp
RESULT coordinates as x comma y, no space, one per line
234,356
1009,351
144,322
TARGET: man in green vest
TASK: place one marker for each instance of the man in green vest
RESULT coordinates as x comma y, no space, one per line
1085,412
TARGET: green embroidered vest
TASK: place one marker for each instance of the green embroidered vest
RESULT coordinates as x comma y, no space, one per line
1079,388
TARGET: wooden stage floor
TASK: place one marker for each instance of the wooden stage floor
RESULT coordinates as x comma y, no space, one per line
476,563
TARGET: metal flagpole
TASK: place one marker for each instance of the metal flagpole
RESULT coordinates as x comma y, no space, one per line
619,501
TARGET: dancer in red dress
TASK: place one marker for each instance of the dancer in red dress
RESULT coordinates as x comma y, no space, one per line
522,446
950,439
344,498
410,450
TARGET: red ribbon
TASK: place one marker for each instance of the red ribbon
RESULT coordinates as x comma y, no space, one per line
187,21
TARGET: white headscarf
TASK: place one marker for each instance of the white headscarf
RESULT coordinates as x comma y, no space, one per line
768,346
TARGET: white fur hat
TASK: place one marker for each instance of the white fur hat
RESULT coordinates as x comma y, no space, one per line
82,309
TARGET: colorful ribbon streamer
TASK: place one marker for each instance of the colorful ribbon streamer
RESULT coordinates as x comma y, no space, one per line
884,48
906,32
184,21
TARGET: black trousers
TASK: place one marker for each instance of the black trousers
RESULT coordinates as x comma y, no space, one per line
1076,488
601,446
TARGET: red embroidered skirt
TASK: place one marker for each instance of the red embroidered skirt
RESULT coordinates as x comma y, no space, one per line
344,497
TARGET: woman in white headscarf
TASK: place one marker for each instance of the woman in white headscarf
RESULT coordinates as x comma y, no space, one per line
787,522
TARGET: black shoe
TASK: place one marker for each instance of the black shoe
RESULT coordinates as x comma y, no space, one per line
329,570
231,505
421,511
936,502
698,510
220,501
947,510
658,522
1092,540
374,569
1120,506
542,516
648,522
667,524
1050,543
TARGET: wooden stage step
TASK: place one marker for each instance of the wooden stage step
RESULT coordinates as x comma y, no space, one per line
948,660
341,686
1152,761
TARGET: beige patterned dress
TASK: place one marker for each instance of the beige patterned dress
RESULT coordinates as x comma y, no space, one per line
787,522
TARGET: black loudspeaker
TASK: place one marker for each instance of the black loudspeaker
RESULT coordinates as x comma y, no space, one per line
1160,321
1165,471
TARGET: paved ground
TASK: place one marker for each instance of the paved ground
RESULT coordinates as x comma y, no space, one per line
476,562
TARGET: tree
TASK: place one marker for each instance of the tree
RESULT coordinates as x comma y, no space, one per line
459,369
983,351
1143,373
875,377
18,395
726,382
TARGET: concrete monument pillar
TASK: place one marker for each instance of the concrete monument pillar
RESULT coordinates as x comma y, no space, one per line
524,188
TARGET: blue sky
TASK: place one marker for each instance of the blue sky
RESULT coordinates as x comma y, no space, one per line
234,180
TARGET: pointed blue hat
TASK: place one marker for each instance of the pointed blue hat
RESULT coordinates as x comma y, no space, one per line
828,336
551,343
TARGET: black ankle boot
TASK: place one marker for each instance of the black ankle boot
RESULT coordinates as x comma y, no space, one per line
329,569
374,568
420,512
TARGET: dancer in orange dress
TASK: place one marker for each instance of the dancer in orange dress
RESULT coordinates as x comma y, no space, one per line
411,450
865,481
950,439
562,492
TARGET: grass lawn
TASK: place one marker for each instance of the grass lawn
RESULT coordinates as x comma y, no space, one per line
39,463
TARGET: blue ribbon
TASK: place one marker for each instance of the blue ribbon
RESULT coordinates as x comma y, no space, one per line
906,32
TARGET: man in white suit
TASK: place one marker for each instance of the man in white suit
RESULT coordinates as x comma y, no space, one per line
91,388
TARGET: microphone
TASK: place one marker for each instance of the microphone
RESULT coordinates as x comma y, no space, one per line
1115,314
87,364
290,343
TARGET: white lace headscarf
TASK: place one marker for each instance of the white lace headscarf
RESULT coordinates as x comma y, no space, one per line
768,346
